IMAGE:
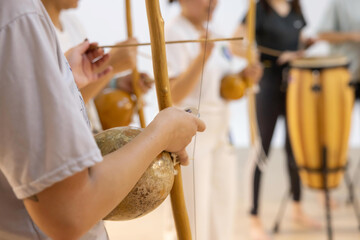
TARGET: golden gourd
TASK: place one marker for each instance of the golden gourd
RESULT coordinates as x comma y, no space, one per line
232,87
154,185
115,108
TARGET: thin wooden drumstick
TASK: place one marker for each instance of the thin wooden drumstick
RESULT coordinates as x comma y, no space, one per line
172,42
270,51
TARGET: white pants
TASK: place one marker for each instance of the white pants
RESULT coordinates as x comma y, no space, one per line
215,168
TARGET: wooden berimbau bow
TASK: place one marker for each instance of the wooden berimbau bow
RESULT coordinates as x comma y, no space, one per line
250,21
156,28
135,73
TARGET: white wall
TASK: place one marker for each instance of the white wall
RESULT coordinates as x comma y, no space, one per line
105,22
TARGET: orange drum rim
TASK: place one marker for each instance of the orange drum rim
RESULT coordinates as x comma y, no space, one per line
320,62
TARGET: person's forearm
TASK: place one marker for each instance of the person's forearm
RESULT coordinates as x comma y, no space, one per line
114,178
85,198
337,37
120,64
117,170
239,48
93,89
182,85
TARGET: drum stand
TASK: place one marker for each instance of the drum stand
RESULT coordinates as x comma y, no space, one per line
325,172
350,183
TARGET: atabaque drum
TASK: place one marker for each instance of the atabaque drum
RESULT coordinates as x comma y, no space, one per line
115,108
319,106
154,185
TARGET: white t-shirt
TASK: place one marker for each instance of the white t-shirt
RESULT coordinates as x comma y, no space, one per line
343,16
220,63
71,35
72,32
44,130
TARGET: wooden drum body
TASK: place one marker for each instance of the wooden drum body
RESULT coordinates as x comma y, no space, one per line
319,106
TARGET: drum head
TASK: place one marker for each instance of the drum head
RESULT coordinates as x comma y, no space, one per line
320,62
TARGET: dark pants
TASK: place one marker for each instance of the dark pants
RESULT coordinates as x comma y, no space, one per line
270,104
357,89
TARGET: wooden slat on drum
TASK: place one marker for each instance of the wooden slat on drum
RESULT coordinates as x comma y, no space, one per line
310,128
293,118
332,119
347,106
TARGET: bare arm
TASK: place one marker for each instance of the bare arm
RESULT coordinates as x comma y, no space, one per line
80,201
182,85
340,37
238,48
123,83
93,89
253,72
123,58
306,42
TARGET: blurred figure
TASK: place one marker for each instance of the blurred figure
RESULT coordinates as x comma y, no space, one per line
213,173
70,33
279,25
341,28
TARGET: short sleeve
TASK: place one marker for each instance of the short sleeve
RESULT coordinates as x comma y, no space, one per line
330,21
44,137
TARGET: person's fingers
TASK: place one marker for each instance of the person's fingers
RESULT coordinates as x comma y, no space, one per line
143,82
93,46
128,85
183,157
107,71
148,81
149,84
141,85
101,62
125,84
200,124
144,76
209,45
82,47
132,40
95,54
92,55
301,53
281,59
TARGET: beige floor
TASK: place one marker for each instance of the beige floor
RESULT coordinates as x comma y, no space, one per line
150,227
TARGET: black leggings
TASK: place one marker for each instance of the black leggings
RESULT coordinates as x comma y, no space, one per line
270,104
